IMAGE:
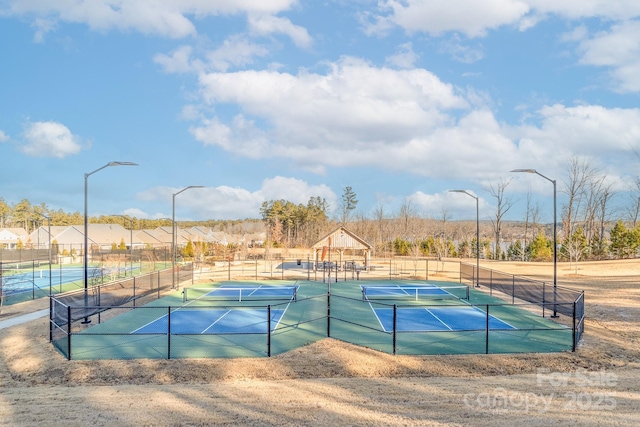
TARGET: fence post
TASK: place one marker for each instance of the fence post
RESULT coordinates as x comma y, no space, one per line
544,299
269,330
395,319
33,280
50,318
513,289
68,332
169,332
329,313
134,287
486,345
574,344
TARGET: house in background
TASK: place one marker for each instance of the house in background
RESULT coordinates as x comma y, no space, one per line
13,238
69,239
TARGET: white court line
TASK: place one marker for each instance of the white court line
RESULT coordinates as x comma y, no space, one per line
438,319
219,318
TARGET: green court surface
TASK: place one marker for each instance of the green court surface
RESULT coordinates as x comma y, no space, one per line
124,333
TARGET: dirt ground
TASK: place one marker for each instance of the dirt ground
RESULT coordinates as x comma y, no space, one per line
334,383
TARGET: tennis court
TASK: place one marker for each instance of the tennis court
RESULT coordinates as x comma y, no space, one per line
263,318
241,320
416,319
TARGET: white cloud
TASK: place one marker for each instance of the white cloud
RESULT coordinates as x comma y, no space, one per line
236,51
354,108
49,139
470,17
164,18
617,49
588,129
479,17
3,136
461,52
269,24
295,190
225,202
404,57
399,120
179,61
455,205
575,9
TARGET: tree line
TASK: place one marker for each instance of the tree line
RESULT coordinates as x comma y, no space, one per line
588,227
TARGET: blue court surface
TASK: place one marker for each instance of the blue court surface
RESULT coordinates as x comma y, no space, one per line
214,321
422,319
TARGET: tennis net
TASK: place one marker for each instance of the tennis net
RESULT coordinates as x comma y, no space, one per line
241,293
416,293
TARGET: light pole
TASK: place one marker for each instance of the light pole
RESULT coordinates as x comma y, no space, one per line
477,233
86,228
555,237
173,233
130,244
49,232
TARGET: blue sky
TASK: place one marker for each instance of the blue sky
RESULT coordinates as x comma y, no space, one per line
283,99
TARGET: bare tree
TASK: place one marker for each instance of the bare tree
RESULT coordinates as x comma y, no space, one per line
587,208
580,175
633,209
406,215
531,222
441,241
503,204
381,227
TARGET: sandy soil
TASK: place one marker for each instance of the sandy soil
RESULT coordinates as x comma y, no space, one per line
334,383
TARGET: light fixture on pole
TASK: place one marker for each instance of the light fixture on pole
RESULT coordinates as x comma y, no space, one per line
555,237
477,275
86,228
173,233
49,232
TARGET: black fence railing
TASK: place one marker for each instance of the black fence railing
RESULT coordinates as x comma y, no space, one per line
554,300
484,324
27,280
74,311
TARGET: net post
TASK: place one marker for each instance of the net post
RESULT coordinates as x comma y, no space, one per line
68,332
395,322
134,284
486,344
574,344
269,330
328,314
51,318
168,332
544,286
